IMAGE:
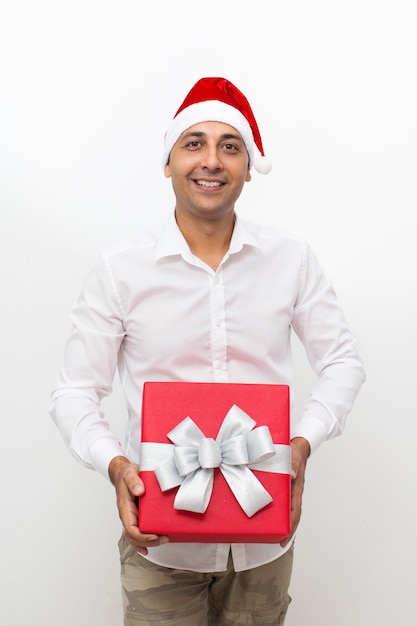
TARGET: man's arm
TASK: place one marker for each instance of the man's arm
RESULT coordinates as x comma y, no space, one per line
321,326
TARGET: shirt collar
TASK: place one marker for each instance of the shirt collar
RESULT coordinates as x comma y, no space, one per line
171,241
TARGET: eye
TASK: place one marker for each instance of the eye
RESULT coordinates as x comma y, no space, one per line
193,144
230,147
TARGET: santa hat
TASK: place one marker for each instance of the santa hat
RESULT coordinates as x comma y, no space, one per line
218,100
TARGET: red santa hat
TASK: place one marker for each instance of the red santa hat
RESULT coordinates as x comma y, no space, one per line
218,100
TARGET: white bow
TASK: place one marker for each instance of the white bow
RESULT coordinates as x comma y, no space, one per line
237,449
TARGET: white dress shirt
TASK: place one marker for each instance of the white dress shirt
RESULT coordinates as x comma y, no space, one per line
157,312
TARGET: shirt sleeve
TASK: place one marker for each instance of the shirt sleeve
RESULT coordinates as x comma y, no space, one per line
321,326
87,372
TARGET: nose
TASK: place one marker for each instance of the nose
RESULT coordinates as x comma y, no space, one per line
211,158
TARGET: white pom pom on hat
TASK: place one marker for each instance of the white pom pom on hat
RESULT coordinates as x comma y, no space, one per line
263,164
218,100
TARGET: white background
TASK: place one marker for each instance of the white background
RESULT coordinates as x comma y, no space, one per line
87,89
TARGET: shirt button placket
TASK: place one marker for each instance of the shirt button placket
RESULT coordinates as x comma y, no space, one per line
218,328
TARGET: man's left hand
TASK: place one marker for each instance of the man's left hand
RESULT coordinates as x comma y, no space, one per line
300,450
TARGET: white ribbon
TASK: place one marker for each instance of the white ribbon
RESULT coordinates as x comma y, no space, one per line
238,448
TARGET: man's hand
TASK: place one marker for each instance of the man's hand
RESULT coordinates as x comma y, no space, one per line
300,450
125,477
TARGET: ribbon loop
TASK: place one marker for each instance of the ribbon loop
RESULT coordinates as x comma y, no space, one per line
186,459
260,444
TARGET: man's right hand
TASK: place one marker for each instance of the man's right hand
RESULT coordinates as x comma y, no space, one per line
125,477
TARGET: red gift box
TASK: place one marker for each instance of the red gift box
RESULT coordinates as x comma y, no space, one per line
165,405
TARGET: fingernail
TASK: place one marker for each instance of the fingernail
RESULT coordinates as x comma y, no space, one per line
163,540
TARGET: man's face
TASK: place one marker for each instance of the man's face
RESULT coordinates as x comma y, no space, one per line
208,167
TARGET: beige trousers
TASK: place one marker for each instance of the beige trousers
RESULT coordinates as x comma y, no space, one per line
156,595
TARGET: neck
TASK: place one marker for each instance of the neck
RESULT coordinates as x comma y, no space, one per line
208,240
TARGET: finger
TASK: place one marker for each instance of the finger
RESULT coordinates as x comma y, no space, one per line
128,511
141,543
295,520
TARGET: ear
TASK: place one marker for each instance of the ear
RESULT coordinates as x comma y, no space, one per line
167,171
248,176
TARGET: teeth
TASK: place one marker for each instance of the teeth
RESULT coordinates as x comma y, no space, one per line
206,183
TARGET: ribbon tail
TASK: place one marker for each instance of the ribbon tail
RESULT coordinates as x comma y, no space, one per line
247,489
195,491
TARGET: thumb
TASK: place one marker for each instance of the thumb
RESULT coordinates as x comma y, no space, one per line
133,481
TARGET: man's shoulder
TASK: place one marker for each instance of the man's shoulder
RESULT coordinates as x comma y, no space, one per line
140,241
267,233
143,240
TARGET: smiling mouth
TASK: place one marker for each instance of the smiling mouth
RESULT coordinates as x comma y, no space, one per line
208,183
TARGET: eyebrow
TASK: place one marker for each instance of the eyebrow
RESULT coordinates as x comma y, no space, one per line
201,134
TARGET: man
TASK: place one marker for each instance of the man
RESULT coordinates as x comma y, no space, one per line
209,298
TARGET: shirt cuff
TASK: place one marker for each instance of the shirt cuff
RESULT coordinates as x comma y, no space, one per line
102,452
312,429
